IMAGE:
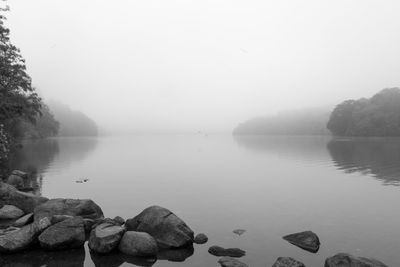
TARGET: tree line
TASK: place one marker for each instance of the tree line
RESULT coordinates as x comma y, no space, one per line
23,114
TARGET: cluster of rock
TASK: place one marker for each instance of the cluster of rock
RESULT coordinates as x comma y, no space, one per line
28,220
60,224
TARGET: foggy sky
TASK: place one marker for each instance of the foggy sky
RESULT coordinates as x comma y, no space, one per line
182,65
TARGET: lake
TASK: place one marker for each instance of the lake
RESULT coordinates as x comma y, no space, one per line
345,190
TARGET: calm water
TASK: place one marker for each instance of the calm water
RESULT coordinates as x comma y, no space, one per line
345,190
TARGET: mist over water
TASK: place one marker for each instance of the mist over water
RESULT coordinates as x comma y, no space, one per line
343,189
179,66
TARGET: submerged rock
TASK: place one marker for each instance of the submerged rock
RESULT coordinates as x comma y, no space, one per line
10,212
28,218
239,232
306,240
84,208
23,238
347,260
200,239
287,262
231,262
67,234
27,202
231,252
105,237
138,244
167,228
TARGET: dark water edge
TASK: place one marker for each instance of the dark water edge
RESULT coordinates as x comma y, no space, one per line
221,175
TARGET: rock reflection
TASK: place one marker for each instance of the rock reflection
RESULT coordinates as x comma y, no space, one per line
37,258
116,259
379,157
36,156
176,255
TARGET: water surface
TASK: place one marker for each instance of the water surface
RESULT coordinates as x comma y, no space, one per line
345,190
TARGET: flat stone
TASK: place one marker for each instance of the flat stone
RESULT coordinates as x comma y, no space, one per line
24,220
67,234
19,173
10,212
231,262
138,244
287,262
230,252
347,260
200,239
105,237
306,240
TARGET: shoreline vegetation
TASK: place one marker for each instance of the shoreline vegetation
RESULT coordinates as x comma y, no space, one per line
35,224
378,116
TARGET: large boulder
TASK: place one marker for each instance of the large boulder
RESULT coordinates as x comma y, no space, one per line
138,244
167,228
105,237
23,238
231,262
347,260
306,240
84,208
230,252
67,234
10,212
27,202
287,262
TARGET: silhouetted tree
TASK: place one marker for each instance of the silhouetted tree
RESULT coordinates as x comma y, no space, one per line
377,116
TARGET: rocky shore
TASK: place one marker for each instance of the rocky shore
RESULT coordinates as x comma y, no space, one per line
34,224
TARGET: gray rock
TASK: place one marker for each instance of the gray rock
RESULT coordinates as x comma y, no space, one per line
230,252
84,208
15,181
306,240
287,262
19,173
200,239
59,218
28,218
23,238
8,230
167,228
231,262
119,220
27,202
10,212
67,234
138,244
105,237
347,260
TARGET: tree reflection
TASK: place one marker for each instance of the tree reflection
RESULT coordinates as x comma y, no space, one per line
379,157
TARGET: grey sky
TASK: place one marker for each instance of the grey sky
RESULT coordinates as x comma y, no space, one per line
206,64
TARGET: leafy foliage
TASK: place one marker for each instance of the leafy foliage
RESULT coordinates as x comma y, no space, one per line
377,116
17,96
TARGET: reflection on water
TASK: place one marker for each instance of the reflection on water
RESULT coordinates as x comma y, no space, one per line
36,258
37,156
302,148
378,157
375,157
271,186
